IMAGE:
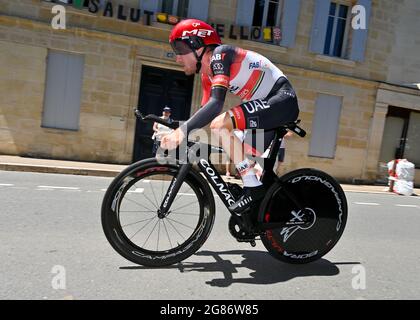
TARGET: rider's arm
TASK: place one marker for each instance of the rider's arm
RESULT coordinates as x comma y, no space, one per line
208,112
220,66
206,84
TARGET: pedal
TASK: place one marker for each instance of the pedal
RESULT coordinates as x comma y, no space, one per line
250,241
245,240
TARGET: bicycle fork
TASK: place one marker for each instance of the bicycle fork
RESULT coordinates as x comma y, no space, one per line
173,189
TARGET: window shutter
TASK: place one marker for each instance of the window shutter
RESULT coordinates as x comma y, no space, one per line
325,126
150,5
63,91
199,9
289,22
245,12
319,26
359,37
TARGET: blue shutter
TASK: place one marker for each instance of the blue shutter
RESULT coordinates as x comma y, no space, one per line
245,12
290,22
63,91
358,45
150,5
199,9
325,126
319,26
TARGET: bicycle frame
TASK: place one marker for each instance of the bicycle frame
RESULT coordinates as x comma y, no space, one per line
301,199
212,175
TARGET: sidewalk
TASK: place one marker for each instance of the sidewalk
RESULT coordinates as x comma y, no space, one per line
16,163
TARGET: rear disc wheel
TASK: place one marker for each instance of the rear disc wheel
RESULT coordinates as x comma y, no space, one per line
309,209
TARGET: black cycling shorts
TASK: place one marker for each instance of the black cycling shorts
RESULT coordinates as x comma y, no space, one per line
280,107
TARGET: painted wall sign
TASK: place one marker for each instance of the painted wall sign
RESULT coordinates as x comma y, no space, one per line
135,15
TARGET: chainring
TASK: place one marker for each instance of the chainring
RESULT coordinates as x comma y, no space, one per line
238,231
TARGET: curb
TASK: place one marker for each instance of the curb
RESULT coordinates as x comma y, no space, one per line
114,173
58,170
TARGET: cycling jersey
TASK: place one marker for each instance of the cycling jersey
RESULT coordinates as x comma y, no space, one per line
269,99
244,73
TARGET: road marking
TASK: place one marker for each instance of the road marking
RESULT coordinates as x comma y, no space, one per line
367,203
407,205
63,188
6,185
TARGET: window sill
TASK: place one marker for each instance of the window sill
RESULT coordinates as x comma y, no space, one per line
261,45
161,25
59,130
321,157
328,59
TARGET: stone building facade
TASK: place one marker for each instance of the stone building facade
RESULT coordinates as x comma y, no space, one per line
356,89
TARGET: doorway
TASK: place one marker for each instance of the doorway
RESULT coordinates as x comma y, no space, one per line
401,136
159,88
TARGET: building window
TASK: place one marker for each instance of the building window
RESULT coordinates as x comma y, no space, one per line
325,126
63,91
401,136
336,37
175,7
267,13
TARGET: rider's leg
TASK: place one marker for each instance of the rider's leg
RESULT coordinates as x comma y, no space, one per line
228,168
222,130
278,108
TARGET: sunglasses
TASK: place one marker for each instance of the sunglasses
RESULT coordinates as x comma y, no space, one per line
181,47
185,46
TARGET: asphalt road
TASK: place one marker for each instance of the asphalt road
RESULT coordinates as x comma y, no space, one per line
52,247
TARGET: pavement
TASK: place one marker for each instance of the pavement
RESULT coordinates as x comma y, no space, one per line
52,247
16,163
23,164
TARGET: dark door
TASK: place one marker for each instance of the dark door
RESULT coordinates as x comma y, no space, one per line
158,88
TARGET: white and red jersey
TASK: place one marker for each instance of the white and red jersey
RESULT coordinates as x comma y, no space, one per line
244,73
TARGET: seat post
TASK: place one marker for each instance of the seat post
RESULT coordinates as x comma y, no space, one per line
270,161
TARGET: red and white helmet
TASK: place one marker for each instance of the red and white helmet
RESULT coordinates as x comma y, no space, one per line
192,34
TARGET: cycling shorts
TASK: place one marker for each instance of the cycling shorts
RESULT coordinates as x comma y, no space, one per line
279,107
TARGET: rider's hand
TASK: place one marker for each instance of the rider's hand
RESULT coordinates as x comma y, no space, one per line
172,140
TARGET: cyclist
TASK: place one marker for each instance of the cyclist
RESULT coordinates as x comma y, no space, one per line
268,98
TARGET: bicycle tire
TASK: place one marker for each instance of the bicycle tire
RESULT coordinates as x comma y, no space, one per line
111,215
308,234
